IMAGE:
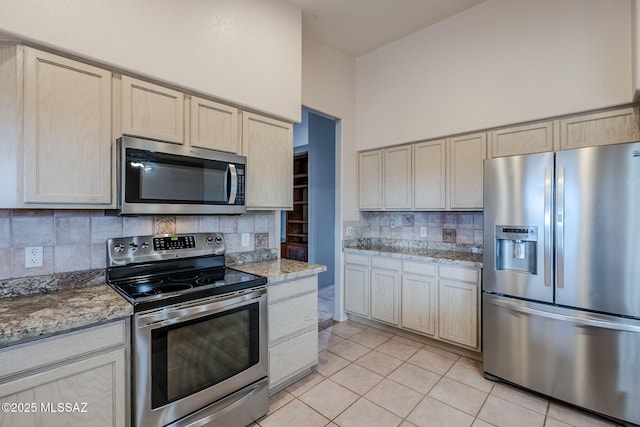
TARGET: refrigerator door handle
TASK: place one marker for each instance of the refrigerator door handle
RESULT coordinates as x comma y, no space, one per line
577,321
547,227
560,229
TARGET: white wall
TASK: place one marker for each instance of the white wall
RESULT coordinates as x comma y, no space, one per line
635,45
247,52
328,86
500,62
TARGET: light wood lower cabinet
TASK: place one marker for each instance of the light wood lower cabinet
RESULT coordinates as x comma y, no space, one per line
293,330
458,294
73,379
419,297
385,290
439,301
357,278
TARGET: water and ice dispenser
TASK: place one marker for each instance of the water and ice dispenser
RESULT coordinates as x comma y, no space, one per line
516,248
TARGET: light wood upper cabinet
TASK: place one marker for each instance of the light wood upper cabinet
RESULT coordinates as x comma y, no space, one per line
466,157
607,127
214,126
67,132
268,146
527,139
397,177
152,111
370,176
429,175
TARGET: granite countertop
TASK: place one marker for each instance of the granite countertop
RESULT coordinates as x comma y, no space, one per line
411,251
280,269
35,307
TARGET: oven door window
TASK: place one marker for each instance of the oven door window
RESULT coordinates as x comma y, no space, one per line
194,355
167,178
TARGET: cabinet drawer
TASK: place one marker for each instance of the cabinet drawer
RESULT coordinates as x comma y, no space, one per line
279,291
460,274
356,259
292,357
419,268
388,263
293,315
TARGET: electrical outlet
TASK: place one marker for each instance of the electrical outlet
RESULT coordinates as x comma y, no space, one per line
33,256
349,231
423,231
245,240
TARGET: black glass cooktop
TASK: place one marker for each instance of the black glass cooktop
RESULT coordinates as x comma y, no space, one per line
161,290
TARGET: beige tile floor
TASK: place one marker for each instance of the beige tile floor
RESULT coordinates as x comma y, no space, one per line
368,377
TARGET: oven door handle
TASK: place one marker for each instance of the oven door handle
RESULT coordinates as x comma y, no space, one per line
181,314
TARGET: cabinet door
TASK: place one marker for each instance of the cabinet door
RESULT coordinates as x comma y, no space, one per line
67,131
268,145
466,156
214,126
356,289
429,175
385,290
397,177
370,180
458,306
608,127
419,297
534,138
95,387
152,111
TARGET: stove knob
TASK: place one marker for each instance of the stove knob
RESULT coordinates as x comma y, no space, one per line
209,240
144,245
218,240
119,247
133,246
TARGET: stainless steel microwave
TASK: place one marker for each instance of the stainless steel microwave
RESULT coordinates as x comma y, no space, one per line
160,178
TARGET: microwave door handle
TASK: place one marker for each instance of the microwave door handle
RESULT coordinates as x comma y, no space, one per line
233,189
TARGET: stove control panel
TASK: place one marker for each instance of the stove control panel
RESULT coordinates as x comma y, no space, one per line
174,242
139,249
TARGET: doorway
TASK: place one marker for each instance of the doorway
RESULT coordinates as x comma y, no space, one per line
316,136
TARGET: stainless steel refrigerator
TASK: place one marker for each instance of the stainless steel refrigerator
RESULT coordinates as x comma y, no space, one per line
561,277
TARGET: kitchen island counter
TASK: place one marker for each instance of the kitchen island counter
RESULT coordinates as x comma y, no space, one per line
36,307
279,270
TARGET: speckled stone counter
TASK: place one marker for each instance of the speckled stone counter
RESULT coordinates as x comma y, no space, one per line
415,251
35,307
279,270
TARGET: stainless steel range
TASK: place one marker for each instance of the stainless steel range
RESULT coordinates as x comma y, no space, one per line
199,331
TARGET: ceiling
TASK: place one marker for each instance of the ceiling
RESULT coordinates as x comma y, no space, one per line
356,27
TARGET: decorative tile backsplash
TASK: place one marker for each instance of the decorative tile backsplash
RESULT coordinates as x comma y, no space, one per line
447,227
74,240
